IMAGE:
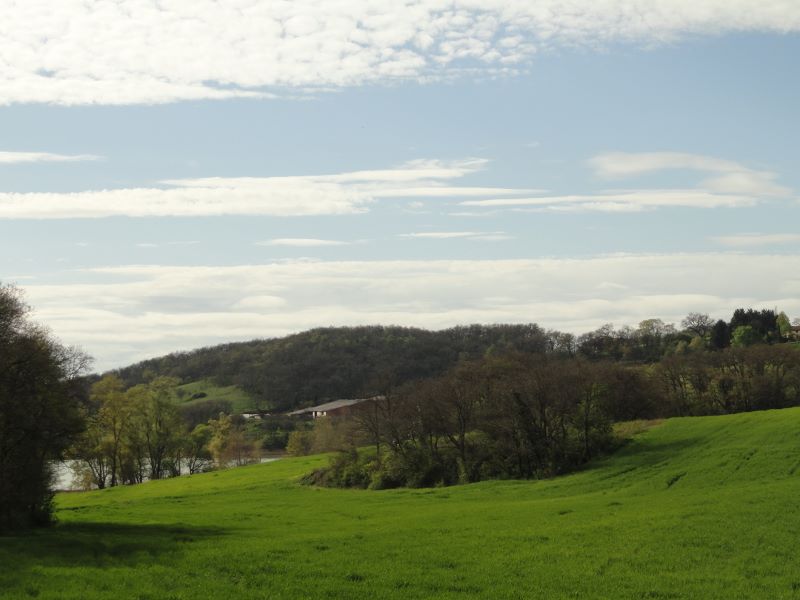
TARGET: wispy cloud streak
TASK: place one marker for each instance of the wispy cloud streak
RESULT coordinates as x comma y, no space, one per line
311,195
10,158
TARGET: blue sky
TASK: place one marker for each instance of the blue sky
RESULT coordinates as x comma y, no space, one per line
564,162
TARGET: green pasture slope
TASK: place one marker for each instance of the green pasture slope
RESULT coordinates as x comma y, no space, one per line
240,400
694,508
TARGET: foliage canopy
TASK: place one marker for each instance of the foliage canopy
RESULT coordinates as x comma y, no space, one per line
40,411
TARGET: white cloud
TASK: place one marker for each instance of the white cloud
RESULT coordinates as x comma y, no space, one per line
123,314
751,240
354,192
159,245
726,184
627,164
311,195
486,236
150,51
480,214
301,242
7,158
728,177
624,201
273,198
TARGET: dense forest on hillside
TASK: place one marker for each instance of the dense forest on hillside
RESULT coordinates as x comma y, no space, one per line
344,362
341,362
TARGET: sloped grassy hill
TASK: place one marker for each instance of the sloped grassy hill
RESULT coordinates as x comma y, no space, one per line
204,391
695,508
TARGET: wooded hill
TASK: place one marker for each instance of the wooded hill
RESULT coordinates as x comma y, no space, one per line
341,362
344,362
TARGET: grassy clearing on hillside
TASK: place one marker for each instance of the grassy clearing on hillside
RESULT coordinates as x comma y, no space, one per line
626,431
695,508
240,400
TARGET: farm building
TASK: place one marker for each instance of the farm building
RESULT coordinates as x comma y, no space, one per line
336,408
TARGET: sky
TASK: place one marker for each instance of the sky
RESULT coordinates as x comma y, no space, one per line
181,173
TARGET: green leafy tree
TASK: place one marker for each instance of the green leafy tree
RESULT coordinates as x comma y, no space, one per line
106,443
220,438
229,443
784,324
160,429
197,452
40,412
93,450
745,335
300,442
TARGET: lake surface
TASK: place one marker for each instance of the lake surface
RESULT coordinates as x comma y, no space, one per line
64,477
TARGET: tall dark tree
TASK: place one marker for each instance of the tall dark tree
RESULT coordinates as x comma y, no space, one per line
720,335
40,416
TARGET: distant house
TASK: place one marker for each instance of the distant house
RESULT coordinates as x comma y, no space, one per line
794,332
337,408
257,416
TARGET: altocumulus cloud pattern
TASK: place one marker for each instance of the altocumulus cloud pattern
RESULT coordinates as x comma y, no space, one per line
156,51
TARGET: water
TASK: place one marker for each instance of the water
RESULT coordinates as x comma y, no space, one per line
64,478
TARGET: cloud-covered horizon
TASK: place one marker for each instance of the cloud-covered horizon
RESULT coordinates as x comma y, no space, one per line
74,52
126,313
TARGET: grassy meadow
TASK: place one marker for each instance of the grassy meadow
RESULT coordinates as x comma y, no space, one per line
692,508
240,400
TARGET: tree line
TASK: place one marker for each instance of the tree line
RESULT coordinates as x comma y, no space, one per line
506,416
346,362
536,415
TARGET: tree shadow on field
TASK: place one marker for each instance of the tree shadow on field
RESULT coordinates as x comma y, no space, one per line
94,545
634,454
657,451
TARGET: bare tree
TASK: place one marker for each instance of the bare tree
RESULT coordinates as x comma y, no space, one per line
698,323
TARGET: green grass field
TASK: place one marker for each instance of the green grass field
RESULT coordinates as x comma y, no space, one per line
694,508
240,400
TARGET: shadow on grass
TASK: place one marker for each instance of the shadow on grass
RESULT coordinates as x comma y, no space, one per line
637,455
95,545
